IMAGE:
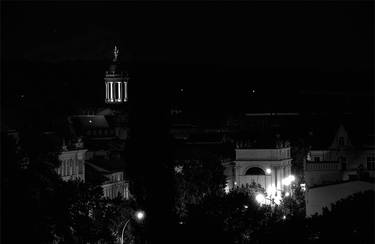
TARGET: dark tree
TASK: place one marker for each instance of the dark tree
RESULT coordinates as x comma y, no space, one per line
197,178
350,220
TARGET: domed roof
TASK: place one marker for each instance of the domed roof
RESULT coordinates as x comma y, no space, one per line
113,68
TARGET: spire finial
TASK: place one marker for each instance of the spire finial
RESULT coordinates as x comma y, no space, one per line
115,53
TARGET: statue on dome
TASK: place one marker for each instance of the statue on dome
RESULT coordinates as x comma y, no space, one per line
115,54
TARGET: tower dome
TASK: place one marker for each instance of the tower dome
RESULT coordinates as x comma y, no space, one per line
116,82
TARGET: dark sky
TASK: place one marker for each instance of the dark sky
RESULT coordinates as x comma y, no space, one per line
218,52
335,35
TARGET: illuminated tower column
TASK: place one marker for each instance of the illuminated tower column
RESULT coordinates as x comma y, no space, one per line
119,95
106,92
125,91
116,82
111,92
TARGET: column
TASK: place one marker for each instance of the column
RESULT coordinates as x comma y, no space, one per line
106,92
125,97
119,97
111,91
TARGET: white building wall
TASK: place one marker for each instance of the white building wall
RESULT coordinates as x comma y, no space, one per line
72,165
330,167
324,196
116,185
278,160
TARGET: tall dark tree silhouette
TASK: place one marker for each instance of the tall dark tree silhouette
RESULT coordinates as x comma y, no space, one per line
149,162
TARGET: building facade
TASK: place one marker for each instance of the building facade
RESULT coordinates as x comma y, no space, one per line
72,164
115,186
341,160
270,168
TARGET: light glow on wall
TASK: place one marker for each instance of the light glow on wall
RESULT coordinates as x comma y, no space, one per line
271,190
288,180
226,189
273,194
268,171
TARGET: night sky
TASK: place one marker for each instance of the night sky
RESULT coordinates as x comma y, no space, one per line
226,50
320,35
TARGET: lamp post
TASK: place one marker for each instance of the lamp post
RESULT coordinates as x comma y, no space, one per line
123,230
139,215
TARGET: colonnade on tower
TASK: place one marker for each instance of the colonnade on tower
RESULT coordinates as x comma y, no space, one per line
116,82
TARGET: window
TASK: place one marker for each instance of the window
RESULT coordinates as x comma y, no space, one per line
255,171
341,141
371,162
317,159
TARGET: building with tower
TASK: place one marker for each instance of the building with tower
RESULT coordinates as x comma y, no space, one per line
116,82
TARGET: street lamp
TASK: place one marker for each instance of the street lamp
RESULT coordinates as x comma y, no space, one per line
139,216
288,180
260,198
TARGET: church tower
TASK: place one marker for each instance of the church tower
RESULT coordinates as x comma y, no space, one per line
116,82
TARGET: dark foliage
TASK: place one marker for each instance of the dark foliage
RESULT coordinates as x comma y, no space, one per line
350,220
196,179
38,207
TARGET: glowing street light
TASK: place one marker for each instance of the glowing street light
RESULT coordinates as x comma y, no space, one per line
288,180
139,216
287,194
260,198
271,190
292,178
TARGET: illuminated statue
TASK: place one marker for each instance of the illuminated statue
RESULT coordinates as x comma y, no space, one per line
115,54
